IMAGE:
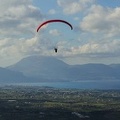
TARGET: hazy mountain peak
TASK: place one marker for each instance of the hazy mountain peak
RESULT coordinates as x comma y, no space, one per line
48,67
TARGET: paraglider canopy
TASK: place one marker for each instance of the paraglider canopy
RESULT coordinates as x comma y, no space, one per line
54,20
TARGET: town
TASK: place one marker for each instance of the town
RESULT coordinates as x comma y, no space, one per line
47,103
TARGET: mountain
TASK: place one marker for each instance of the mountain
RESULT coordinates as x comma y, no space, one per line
94,72
115,66
42,68
8,76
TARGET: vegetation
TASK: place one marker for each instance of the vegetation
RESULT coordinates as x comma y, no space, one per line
45,103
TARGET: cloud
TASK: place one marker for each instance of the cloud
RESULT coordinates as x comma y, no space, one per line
74,6
18,17
54,32
18,23
99,30
102,20
52,11
102,49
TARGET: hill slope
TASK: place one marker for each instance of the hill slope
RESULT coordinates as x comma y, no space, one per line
41,67
49,68
8,76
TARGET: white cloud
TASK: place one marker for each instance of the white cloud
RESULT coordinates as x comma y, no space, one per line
102,20
18,17
76,18
12,50
74,6
18,37
97,49
54,32
52,12
18,24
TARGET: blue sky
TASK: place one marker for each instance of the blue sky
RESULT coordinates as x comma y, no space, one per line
94,39
109,3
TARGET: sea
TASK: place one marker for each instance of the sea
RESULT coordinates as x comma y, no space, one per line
108,84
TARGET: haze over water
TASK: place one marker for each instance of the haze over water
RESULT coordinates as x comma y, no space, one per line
75,85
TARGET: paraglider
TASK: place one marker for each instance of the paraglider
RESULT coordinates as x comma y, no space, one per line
55,49
54,20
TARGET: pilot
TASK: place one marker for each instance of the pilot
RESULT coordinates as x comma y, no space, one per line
55,49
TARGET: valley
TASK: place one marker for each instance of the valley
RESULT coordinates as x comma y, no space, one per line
47,103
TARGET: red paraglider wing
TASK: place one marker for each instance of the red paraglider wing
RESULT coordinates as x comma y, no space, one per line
56,20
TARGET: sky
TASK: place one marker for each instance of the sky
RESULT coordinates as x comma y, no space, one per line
95,37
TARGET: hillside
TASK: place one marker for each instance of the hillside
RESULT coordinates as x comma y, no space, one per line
8,76
52,69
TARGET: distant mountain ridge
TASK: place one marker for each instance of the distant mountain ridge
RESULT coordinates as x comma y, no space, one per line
42,68
9,76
